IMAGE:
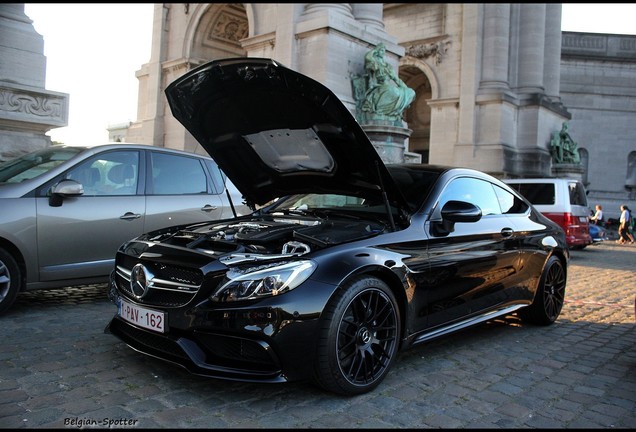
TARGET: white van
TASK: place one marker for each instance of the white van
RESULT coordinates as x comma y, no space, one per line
562,200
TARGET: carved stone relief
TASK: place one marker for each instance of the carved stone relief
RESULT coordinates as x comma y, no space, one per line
434,49
229,27
29,105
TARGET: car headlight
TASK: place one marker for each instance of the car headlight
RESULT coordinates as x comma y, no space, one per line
263,281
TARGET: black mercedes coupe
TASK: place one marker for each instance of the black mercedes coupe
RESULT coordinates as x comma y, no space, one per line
344,261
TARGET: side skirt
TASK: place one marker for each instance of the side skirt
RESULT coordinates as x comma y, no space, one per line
465,323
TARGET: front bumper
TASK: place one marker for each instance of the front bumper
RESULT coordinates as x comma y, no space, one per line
268,341
208,354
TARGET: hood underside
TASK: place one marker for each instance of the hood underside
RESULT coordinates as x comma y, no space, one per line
276,132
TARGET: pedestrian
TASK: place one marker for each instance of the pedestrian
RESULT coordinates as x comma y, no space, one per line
630,225
625,226
597,219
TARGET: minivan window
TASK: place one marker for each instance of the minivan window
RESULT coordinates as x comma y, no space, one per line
536,193
177,175
218,181
110,173
577,194
32,165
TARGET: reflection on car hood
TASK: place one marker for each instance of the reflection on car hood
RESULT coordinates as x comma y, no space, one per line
276,132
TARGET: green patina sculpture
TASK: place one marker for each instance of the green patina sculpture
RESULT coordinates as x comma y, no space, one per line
380,94
563,147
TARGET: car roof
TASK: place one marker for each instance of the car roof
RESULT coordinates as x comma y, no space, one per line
120,145
539,180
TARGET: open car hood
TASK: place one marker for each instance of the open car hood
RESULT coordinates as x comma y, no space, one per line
276,132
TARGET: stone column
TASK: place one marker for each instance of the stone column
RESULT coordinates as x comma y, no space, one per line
27,110
331,43
531,47
326,8
370,14
552,65
494,62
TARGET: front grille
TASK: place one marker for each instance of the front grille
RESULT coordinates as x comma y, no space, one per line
172,286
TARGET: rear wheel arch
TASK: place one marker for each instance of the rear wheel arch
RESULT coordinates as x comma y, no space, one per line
550,293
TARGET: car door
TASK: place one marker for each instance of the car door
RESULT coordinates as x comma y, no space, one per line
180,192
79,238
471,267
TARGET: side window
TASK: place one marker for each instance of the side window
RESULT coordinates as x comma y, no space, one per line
177,175
509,203
218,182
112,173
577,194
472,190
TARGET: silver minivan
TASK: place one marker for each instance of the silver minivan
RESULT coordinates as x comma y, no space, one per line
65,210
562,200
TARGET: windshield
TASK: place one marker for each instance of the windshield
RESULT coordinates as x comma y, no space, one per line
34,164
309,202
414,181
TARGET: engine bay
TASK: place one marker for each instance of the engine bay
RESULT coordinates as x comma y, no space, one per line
268,236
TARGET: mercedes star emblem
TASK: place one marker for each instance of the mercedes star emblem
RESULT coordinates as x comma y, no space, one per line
140,280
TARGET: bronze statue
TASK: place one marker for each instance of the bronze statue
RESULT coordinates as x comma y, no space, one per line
563,147
381,94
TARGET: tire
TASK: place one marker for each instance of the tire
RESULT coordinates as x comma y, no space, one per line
548,300
10,280
358,339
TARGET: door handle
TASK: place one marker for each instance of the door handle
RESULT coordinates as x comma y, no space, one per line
130,216
208,208
507,232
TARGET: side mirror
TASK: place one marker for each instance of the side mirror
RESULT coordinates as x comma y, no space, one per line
453,212
65,188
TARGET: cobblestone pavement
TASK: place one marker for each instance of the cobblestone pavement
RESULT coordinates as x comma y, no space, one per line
59,370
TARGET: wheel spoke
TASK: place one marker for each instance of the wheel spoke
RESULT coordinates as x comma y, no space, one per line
5,281
554,291
358,360
367,337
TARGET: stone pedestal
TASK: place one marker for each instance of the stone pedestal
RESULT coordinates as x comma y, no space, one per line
27,109
571,171
390,142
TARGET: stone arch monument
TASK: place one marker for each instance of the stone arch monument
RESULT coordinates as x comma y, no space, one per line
492,69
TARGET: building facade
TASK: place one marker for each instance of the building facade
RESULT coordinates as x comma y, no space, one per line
486,76
493,82
598,85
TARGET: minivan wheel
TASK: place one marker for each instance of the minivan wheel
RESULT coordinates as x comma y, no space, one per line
10,278
358,339
550,295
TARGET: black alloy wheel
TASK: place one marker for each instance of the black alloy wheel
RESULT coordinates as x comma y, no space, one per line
359,340
550,295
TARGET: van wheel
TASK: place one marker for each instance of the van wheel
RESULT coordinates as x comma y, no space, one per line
10,280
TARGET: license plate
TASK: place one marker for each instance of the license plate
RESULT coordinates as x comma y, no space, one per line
146,318
582,219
